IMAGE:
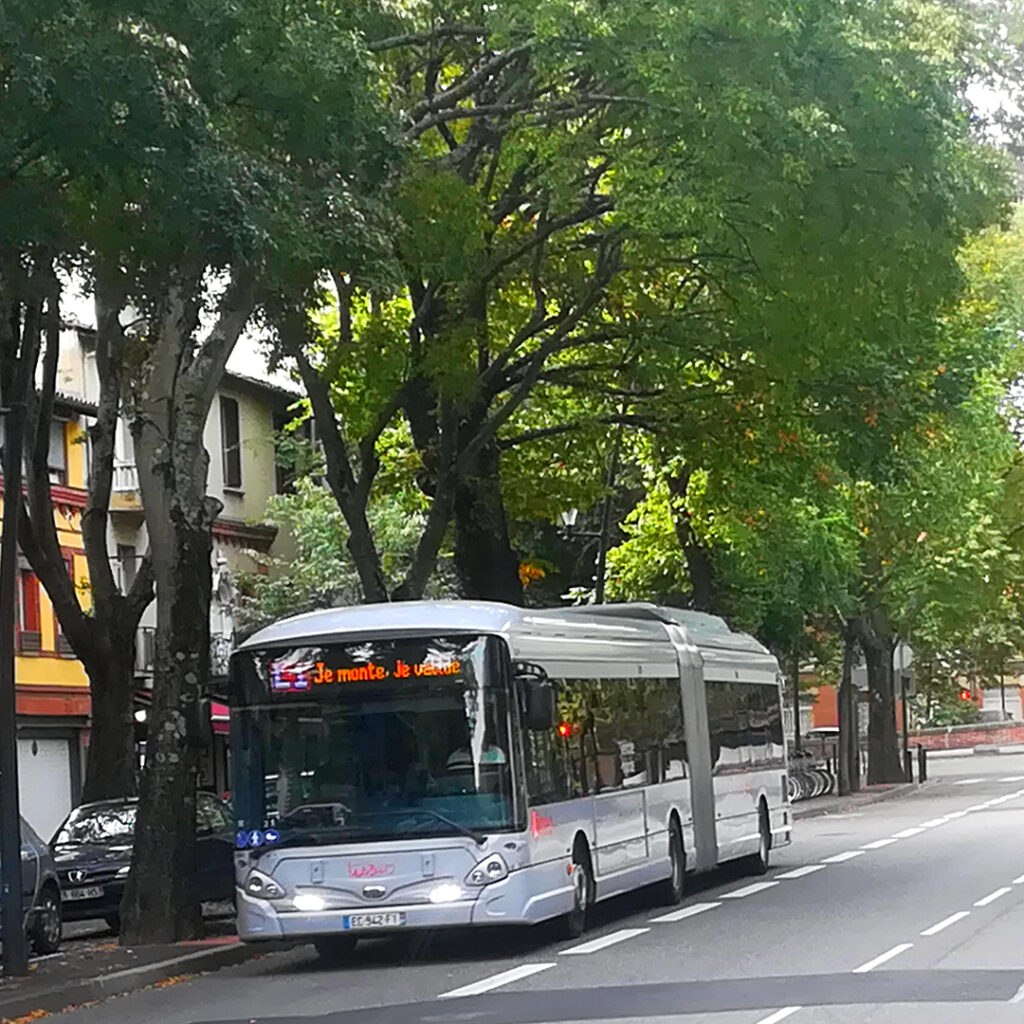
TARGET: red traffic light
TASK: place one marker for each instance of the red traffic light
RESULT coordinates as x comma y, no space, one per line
564,729
965,694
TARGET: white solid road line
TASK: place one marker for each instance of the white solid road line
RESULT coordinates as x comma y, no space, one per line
977,807
946,922
967,782
933,823
774,1018
907,833
887,955
807,869
840,857
992,897
748,890
680,915
878,844
606,940
496,981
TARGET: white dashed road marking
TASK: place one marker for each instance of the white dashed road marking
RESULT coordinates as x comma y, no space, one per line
496,981
606,940
774,1018
955,814
946,922
680,915
807,869
886,956
1019,880
840,857
878,844
748,890
992,897
1013,778
933,823
967,782
907,833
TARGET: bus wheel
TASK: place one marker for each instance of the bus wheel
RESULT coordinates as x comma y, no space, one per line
335,949
759,861
671,891
573,924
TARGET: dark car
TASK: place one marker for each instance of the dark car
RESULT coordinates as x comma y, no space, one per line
92,851
40,893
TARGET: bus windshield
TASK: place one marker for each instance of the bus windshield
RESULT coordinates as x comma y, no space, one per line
371,740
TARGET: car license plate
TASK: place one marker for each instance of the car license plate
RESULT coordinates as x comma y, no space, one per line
393,920
90,892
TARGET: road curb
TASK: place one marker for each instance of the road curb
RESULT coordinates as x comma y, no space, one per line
859,800
981,750
58,997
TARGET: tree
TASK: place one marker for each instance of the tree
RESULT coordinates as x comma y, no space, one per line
194,159
566,201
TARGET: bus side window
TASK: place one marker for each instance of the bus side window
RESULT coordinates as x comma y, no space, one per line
547,776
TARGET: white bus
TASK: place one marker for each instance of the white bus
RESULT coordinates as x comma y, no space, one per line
427,764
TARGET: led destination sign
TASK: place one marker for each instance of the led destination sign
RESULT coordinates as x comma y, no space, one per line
306,675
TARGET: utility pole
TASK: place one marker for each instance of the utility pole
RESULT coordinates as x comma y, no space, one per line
12,929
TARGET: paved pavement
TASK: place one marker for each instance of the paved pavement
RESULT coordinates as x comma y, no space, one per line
908,910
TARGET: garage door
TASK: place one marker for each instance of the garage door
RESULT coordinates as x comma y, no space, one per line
44,783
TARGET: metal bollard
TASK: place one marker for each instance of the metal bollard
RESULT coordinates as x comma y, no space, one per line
922,764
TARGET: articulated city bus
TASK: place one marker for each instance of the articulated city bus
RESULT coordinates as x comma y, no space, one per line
436,764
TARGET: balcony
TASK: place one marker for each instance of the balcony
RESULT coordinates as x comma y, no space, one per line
125,495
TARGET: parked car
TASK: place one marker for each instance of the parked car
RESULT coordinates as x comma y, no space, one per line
92,851
40,893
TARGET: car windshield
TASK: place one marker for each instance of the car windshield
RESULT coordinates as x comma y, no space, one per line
383,738
109,825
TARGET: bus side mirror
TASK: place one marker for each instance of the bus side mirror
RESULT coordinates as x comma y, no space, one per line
541,705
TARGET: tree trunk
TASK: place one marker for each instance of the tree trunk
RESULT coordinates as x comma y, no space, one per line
160,902
169,414
699,567
849,728
876,641
487,565
111,768
797,742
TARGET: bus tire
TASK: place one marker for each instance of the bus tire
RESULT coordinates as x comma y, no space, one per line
671,891
758,862
335,949
574,924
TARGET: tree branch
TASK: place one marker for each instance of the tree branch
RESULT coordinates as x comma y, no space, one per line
420,38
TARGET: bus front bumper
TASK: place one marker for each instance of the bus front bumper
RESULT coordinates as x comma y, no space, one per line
511,901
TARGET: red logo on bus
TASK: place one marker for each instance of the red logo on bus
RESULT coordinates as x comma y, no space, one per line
370,870
540,825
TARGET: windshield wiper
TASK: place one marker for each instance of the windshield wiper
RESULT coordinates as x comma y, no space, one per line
470,833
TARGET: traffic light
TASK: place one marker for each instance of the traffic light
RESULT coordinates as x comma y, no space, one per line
965,694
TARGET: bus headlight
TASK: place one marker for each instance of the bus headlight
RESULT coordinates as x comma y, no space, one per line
490,869
262,886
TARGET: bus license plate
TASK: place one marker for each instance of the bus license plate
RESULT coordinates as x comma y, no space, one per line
92,892
393,920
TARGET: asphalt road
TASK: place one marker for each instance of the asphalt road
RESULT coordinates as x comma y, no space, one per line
909,910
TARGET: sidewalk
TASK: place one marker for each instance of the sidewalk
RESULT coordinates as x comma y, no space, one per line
85,974
868,795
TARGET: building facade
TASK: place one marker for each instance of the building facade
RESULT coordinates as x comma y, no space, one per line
53,700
